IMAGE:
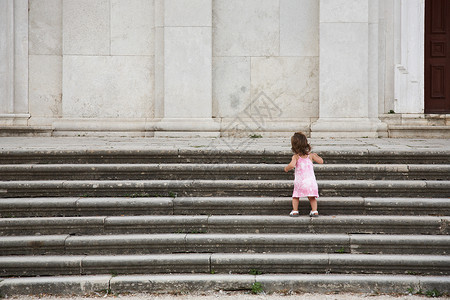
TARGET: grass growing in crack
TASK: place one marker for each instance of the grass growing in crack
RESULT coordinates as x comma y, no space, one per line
255,272
213,271
255,136
412,291
341,250
114,273
434,293
257,288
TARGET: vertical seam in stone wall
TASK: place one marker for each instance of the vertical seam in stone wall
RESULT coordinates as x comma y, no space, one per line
110,27
62,70
279,28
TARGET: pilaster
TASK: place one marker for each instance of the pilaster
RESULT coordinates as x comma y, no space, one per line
409,56
14,62
183,54
348,80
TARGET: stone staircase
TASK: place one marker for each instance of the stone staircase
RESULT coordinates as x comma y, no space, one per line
169,220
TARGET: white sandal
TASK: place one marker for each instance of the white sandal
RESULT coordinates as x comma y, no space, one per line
294,213
314,214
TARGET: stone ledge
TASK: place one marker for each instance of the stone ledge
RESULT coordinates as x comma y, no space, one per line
218,171
31,207
223,224
209,154
237,263
217,243
194,188
381,284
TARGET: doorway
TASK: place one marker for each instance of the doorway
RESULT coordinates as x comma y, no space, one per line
437,56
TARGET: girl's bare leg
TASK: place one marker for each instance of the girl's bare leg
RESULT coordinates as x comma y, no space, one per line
313,202
295,203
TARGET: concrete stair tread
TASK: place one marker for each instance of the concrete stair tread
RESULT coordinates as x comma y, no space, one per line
392,224
202,171
176,283
227,242
38,188
224,263
217,205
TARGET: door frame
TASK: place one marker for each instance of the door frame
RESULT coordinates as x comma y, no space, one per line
409,56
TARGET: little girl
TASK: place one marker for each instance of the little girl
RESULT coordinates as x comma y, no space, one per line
305,184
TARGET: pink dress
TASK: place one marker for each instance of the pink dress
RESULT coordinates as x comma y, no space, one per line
305,181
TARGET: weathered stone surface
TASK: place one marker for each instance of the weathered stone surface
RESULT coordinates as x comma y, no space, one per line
396,244
187,13
181,283
156,224
45,27
266,243
86,28
56,225
126,244
231,86
132,27
119,206
32,245
331,283
40,265
299,28
249,28
79,285
187,72
293,92
389,264
148,264
269,263
103,96
45,85
127,188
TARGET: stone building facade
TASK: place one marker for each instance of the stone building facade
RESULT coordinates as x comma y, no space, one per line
330,68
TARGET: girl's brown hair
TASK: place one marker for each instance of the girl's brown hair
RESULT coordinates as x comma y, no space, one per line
300,144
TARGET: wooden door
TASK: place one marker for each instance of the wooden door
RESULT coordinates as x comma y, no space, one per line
437,56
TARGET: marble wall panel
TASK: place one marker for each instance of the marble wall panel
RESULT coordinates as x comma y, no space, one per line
344,10
6,57
132,27
299,27
107,86
187,12
45,85
188,72
231,85
45,27
292,83
344,70
86,27
246,28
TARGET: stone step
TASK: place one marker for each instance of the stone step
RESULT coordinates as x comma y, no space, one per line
224,224
219,171
217,155
190,283
225,263
78,206
149,188
226,243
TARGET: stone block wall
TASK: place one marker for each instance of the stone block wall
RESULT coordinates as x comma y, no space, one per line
208,67
270,47
91,59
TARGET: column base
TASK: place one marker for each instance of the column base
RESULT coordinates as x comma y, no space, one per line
348,127
187,127
14,119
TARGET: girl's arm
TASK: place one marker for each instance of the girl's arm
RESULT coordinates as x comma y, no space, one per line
316,158
291,165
